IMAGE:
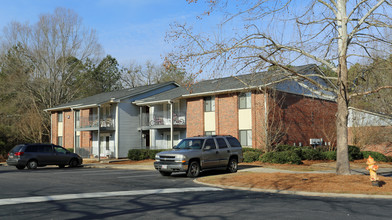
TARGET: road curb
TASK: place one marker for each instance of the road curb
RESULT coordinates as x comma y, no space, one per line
299,193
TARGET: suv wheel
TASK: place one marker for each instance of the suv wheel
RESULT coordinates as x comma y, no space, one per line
232,167
32,164
163,173
193,169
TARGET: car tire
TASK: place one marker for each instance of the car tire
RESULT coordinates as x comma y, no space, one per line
20,167
164,173
232,167
73,163
193,169
32,164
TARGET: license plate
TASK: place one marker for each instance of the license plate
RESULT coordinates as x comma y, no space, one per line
164,166
11,156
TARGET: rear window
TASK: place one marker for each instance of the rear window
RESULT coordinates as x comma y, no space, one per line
17,148
233,142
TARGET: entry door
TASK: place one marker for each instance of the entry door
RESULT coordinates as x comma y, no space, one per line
105,148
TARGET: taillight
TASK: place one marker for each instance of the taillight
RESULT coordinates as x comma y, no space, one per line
18,153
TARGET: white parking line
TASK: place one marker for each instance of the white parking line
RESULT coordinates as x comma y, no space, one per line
35,199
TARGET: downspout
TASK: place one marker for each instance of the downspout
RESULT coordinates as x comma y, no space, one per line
171,124
99,133
140,126
74,133
116,132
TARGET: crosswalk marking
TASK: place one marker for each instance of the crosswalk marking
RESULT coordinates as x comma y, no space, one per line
35,199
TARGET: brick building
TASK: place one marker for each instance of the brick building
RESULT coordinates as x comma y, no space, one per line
259,113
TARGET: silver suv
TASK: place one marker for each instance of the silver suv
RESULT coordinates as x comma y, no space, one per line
192,155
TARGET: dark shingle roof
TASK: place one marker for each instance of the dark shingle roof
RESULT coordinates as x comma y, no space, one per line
163,97
249,81
107,96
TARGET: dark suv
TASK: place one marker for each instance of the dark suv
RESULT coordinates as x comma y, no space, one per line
195,154
38,155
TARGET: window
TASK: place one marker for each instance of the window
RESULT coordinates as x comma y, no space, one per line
210,143
77,118
233,142
60,117
221,143
60,150
77,141
60,140
245,100
246,137
210,133
209,104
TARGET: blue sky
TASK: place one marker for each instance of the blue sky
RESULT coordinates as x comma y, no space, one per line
129,30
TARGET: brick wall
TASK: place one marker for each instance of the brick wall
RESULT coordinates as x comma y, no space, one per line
54,128
307,118
195,117
68,135
85,136
226,115
258,113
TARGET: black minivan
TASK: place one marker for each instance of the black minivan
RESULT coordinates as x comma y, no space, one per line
39,155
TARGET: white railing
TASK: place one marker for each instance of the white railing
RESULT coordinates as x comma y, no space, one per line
159,118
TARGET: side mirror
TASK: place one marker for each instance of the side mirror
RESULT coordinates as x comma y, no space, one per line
208,147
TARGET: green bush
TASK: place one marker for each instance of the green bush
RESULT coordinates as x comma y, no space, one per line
71,150
281,157
354,153
142,154
329,155
251,156
379,157
248,149
311,154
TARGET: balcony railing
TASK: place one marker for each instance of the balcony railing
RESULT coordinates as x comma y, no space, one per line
92,122
161,119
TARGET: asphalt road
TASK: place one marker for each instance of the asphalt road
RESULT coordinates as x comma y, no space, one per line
86,193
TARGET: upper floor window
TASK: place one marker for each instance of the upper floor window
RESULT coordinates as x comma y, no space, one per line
209,104
60,117
245,100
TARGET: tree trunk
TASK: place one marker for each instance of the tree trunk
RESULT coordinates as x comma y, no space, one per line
342,160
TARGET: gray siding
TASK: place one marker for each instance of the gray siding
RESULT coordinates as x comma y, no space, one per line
128,135
128,122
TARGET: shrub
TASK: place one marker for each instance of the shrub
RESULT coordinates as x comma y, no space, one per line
376,156
248,149
311,154
354,153
71,150
142,154
251,156
329,155
281,157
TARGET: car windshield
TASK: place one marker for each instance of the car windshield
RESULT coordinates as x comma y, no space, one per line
190,144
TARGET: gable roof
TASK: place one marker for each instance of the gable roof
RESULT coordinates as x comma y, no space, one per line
163,97
114,96
266,78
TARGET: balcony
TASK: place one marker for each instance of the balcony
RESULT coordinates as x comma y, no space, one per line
91,123
161,120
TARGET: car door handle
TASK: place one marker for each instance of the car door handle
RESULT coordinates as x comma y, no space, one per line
228,151
217,152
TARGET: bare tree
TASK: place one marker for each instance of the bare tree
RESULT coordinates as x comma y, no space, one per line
41,64
333,33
